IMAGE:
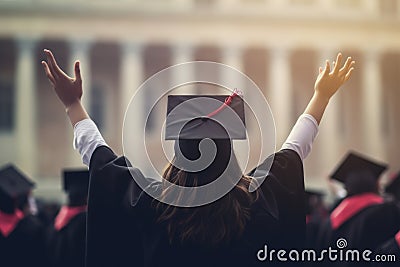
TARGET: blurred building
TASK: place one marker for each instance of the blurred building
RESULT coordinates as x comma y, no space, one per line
277,43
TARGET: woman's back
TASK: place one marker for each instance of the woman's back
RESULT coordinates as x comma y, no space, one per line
276,217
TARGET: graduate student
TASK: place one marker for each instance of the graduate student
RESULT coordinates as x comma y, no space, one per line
362,218
66,238
21,235
227,232
391,246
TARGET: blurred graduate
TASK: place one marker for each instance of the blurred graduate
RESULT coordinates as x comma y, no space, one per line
392,245
362,218
21,234
66,238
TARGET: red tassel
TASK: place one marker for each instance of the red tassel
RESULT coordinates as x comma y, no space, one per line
227,102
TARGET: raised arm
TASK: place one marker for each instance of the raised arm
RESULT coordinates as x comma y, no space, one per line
68,89
327,84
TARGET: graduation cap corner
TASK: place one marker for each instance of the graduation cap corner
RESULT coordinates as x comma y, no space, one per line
355,162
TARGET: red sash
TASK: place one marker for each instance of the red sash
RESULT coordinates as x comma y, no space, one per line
66,214
8,222
351,206
397,237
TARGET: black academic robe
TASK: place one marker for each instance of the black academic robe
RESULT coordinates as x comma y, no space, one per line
390,247
67,246
24,246
123,228
367,229
312,229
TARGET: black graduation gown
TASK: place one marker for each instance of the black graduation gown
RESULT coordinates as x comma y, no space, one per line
67,246
24,246
390,247
128,235
312,229
365,230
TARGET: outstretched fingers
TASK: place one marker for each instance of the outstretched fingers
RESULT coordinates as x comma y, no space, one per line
53,66
337,63
327,68
346,65
352,63
50,65
347,68
77,71
348,74
48,73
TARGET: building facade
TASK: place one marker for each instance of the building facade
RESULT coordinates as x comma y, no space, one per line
279,44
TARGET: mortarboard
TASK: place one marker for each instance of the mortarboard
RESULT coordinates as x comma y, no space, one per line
205,116
76,181
356,163
13,183
394,186
193,118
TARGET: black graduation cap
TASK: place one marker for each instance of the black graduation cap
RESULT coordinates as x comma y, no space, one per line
13,183
76,181
394,186
356,163
205,116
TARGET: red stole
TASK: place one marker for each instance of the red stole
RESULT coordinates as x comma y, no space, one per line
397,237
351,206
8,222
66,214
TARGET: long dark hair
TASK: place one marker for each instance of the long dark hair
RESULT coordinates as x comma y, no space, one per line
212,224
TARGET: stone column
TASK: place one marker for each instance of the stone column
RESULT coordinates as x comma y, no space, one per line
232,56
280,83
182,53
372,110
132,74
26,110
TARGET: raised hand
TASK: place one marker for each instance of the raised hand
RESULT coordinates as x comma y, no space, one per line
68,89
328,82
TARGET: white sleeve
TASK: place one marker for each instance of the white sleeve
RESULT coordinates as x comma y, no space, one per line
86,139
302,135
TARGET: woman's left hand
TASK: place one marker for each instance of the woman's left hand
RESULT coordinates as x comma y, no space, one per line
328,82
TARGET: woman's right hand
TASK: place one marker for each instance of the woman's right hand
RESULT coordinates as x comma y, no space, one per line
68,89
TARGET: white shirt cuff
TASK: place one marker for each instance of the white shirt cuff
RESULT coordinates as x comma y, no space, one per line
302,135
86,139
